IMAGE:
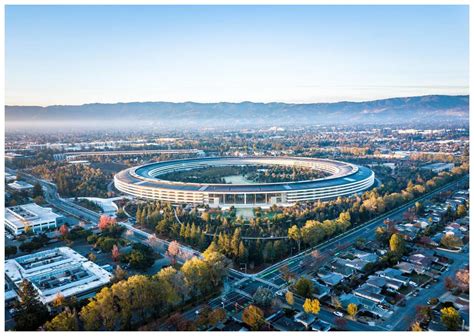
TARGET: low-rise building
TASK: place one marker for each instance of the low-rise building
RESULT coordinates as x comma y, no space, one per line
305,318
357,264
370,293
439,166
408,268
320,325
422,260
332,279
285,323
20,185
393,274
458,301
31,216
9,177
390,285
319,291
59,270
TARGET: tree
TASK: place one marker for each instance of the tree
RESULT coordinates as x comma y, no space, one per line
140,257
105,243
294,233
416,326
113,307
263,297
92,257
206,217
217,315
390,225
253,317
10,250
449,283
461,211
64,230
203,318
197,276
304,287
336,303
381,234
451,241
289,298
105,222
92,239
64,321
352,310
38,200
451,318
419,208
340,323
119,274
311,306
235,242
59,300
397,244
285,273
115,253
31,313
175,319
462,277
174,249
243,253
37,190
423,313
217,264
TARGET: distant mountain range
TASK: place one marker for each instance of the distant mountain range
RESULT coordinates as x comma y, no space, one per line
156,114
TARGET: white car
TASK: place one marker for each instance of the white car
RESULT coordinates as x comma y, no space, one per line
338,313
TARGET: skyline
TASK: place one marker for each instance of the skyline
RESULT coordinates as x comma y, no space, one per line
73,55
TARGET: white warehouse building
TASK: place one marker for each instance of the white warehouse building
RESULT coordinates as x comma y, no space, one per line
33,216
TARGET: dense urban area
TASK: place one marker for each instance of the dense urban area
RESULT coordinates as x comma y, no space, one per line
81,255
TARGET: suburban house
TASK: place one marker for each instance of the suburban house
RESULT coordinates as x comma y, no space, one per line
393,274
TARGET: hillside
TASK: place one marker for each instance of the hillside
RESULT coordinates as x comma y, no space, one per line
393,110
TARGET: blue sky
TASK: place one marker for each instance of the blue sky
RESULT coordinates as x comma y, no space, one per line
86,54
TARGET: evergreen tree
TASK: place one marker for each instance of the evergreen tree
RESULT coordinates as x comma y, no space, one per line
193,234
31,313
234,243
243,253
268,251
37,190
202,241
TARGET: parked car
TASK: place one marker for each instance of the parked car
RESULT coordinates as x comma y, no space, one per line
338,313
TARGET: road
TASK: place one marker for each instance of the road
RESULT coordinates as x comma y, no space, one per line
53,198
71,155
403,321
329,317
366,230
272,274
